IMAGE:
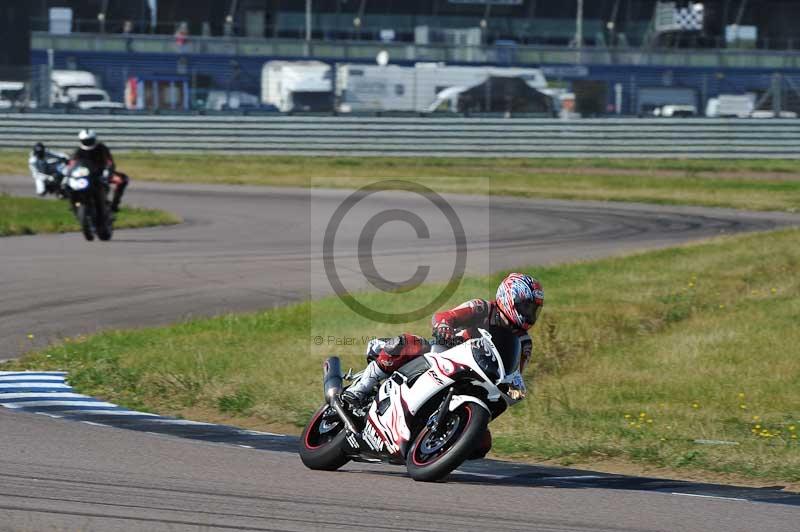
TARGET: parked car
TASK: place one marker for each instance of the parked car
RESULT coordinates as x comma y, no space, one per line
221,100
771,114
91,98
675,111
13,95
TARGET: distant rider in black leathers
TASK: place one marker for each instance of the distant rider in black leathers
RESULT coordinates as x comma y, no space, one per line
97,158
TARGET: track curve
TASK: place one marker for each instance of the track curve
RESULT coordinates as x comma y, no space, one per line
247,248
244,248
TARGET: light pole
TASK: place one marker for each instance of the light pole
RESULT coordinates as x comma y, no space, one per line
579,29
308,20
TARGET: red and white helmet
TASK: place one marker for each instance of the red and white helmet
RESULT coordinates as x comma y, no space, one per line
520,299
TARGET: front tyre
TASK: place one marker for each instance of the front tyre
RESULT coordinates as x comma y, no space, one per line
323,440
85,221
432,456
103,220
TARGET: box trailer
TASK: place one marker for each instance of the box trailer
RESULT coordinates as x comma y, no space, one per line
297,85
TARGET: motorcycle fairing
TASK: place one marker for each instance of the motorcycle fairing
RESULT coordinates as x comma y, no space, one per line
387,427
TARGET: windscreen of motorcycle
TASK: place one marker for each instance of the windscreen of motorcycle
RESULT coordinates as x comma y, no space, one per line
508,347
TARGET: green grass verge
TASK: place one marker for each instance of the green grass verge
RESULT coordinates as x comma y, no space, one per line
29,216
744,184
636,359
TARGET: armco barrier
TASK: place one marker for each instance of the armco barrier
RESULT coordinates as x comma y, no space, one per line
421,136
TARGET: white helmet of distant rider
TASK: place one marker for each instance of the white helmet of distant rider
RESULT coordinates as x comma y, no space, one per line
88,139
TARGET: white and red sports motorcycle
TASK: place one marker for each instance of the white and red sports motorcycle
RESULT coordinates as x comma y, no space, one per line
431,414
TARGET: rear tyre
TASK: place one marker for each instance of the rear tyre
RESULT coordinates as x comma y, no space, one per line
323,441
82,214
433,456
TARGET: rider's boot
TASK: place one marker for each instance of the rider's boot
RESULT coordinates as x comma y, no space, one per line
121,181
361,389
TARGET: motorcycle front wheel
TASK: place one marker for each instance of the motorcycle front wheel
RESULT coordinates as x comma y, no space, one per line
103,219
85,221
434,455
322,441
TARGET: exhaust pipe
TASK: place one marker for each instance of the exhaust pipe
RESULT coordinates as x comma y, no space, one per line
331,378
332,387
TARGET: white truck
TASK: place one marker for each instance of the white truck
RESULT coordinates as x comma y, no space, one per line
80,89
297,85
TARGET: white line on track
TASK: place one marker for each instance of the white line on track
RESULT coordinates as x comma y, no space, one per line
95,424
485,475
710,497
258,433
12,385
25,373
12,378
107,413
182,422
29,404
43,395
577,477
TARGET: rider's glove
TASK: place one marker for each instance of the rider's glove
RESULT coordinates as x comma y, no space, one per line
517,389
374,348
106,176
443,332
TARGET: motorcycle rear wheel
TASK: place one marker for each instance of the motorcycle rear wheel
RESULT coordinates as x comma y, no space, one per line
323,440
433,456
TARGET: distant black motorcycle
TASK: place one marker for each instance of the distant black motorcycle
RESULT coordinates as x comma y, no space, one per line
89,202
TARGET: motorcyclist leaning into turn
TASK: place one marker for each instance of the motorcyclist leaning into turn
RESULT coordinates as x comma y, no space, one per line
97,158
46,168
516,306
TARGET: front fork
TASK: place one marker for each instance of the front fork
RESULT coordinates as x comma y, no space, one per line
436,417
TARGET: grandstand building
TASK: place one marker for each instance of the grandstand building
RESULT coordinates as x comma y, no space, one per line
547,22
617,56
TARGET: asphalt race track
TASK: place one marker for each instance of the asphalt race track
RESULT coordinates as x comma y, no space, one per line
245,248
248,248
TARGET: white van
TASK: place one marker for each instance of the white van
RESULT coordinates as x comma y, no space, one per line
61,81
91,98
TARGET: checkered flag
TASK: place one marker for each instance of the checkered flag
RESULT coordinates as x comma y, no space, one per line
690,18
671,18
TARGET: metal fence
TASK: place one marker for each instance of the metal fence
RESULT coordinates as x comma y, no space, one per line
436,137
